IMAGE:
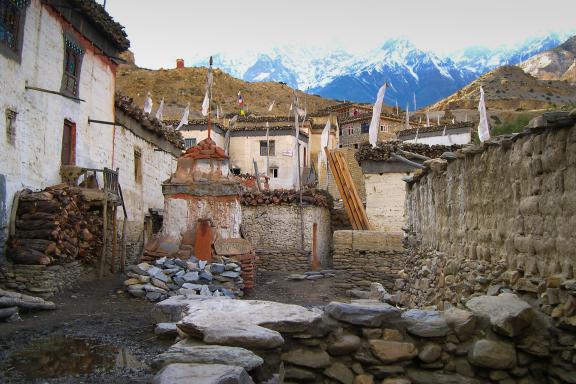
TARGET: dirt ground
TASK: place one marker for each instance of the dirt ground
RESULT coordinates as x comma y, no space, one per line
99,334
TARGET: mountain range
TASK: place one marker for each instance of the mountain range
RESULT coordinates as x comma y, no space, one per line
342,75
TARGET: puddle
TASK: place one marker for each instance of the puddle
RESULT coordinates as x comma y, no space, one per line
66,356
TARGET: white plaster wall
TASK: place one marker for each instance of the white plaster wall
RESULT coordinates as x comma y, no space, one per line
33,161
243,149
157,166
460,138
278,226
385,197
201,135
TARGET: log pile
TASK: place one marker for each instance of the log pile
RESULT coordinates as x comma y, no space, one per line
12,302
383,150
55,226
287,196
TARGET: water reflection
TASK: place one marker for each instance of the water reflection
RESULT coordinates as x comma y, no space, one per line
66,356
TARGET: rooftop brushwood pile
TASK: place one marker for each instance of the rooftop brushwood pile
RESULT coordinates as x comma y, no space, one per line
288,196
127,105
383,150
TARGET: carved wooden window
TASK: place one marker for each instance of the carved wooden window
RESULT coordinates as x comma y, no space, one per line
12,14
73,54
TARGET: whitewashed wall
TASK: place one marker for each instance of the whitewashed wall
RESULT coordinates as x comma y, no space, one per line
200,135
33,161
385,199
245,148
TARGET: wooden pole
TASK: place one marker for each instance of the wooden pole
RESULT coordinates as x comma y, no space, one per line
123,247
104,238
315,261
257,175
114,239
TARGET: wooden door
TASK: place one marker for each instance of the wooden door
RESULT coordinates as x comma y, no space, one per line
68,156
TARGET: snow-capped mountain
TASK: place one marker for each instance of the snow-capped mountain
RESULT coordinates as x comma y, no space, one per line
338,74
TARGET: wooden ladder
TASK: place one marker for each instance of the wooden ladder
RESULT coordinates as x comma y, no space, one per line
348,192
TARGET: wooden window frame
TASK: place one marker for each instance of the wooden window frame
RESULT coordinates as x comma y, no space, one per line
190,139
16,9
264,147
73,51
71,160
138,165
273,172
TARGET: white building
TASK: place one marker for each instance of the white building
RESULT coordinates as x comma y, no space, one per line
459,133
197,130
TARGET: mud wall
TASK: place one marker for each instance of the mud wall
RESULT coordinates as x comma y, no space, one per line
510,201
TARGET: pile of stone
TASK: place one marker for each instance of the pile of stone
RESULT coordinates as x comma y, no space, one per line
12,302
492,339
312,275
56,225
168,277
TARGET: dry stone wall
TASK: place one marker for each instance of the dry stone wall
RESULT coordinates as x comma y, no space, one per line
277,227
510,201
363,257
286,260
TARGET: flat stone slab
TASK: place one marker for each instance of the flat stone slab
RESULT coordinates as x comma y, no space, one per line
368,314
202,374
508,314
249,336
216,314
208,354
425,323
173,309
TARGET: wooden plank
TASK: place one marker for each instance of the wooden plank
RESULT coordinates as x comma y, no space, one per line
114,238
340,183
358,200
350,189
104,239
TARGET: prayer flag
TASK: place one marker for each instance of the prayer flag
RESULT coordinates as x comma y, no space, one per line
483,127
376,111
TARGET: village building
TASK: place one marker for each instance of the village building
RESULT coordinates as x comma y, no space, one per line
447,134
353,130
58,63
274,155
197,130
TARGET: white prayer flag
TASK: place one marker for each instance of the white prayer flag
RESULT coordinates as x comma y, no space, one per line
233,120
376,111
420,120
227,141
407,116
184,119
444,131
416,137
271,106
205,104
160,111
453,121
217,112
324,142
397,110
427,119
438,119
466,117
148,104
415,109
483,127
301,112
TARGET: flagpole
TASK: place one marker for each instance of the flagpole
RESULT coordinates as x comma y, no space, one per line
209,98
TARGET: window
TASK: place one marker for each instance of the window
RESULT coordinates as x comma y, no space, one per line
365,128
10,126
68,154
236,171
264,148
73,54
350,130
274,172
190,142
138,165
356,146
12,15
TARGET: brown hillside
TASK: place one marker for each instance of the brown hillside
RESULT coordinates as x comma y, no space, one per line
556,64
510,88
186,85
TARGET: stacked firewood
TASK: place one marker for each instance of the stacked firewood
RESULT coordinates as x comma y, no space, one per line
287,196
383,150
56,225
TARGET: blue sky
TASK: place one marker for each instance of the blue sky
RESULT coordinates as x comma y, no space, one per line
161,31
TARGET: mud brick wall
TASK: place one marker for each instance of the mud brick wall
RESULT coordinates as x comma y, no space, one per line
41,280
286,260
363,257
511,200
278,227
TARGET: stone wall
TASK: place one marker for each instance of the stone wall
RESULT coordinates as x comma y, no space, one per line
511,201
363,257
278,227
282,259
41,280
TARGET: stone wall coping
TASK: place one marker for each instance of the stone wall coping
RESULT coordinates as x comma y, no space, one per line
368,240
